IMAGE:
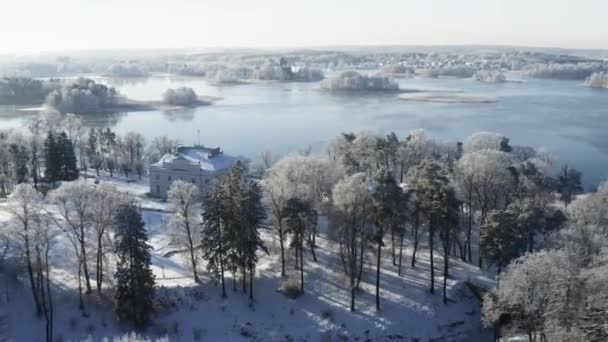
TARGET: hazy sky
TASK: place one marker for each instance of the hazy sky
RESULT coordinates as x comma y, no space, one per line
43,25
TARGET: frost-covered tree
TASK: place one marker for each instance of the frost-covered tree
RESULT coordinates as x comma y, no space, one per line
351,225
160,146
591,209
134,292
281,182
106,200
74,202
486,174
183,96
483,141
535,291
27,228
132,153
184,199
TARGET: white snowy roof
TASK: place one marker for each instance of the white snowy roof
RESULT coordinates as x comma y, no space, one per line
209,159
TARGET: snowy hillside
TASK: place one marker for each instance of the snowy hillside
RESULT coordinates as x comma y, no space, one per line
189,312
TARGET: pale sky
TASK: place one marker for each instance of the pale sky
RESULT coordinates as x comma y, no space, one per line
55,25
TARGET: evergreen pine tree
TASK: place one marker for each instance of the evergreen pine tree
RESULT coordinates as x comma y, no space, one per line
386,201
255,215
213,243
134,293
20,159
69,168
245,215
52,159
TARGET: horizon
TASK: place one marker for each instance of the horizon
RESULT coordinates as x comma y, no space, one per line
66,25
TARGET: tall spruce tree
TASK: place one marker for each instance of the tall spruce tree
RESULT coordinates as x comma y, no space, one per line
20,157
247,215
213,245
52,159
69,166
386,199
134,293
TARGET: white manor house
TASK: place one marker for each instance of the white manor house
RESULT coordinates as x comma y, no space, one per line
195,164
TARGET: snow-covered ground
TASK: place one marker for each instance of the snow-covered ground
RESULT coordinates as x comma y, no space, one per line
190,312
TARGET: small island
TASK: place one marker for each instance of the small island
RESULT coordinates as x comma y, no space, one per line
351,81
598,80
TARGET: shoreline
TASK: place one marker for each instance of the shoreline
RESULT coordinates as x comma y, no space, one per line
127,105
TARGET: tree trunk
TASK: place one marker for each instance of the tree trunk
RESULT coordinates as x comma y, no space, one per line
251,272
99,263
244,274
282,251
431,247
378,261
30,271
312,248
446,263
400,252
393,246
301,266
80,299
352,297
416,223
221,246
83,253
359,276
192,257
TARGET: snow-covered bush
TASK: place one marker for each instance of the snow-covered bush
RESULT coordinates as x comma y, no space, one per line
82,96
125,70
182,96
291,288
598,80
565,71
354,81
490,76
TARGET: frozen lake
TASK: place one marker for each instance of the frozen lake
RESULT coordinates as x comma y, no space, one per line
565,117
